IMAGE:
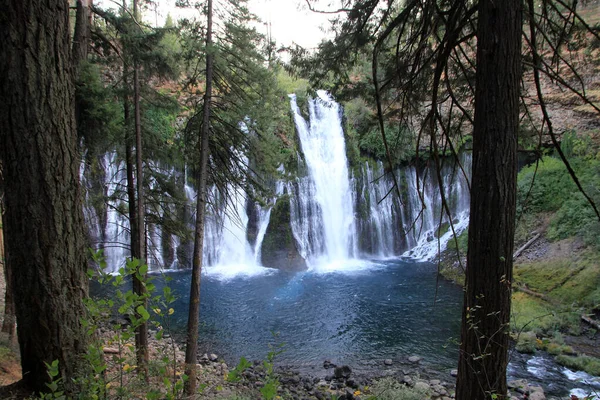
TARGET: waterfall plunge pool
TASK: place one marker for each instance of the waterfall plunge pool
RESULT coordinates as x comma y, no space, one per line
359,314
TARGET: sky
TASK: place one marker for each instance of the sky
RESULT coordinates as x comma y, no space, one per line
291,21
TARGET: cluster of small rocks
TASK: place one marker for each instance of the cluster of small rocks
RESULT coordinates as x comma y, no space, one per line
521,389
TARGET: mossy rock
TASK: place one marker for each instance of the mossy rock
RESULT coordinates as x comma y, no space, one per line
279,246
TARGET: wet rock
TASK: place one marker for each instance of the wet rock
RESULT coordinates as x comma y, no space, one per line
342,372
454,372
213,357
388,361
414,359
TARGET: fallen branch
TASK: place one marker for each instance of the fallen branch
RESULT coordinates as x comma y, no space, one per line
530,292
526,245
590,321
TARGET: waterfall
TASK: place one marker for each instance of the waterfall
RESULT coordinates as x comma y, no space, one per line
323,208
335,217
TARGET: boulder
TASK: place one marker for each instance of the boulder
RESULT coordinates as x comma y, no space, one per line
422,385
342,372
388,361
414,359
279,246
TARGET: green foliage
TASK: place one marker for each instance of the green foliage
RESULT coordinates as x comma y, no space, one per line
271,383
390,389
55,383
526,342
122,380
533,314
235,375
99,116
591,365
573,282
552,186
554,191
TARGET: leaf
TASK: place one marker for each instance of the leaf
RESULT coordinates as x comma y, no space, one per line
141,310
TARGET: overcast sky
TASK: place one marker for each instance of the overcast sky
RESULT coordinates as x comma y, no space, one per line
291,21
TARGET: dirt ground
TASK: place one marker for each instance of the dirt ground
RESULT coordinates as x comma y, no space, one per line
10,367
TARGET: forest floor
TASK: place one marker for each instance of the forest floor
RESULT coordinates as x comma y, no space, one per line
10,366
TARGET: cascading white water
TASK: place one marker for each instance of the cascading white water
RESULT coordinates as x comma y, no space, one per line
433,229
376,192
116,233
334,218
323,209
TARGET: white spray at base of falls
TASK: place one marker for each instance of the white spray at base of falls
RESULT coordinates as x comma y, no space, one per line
323,211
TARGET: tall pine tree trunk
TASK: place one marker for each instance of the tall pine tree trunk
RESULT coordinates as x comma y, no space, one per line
486,313
141,332
44,226
191,351
82,33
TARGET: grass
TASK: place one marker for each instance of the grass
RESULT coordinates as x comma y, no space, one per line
532,314
575,282
591,365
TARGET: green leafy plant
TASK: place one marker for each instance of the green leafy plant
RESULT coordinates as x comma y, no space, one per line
235,375
55,383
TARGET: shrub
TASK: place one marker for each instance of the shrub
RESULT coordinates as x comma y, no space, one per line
391,389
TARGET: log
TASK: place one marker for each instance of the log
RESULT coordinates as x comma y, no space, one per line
590,321
110,350
530,292
526,245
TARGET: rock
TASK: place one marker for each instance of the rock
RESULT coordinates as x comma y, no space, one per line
328,364
278,247
388,361
342,372
454,372
213,357
414,359
408,380
517,383
422,385
434,382
537,396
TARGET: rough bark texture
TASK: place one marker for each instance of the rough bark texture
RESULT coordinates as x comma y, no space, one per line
82,33
485,321
194,310
44,226
141,333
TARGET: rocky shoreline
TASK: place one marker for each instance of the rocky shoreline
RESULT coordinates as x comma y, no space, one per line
339,382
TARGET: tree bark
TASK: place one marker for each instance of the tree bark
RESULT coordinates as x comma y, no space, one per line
141,333
44,225
82,33
194,309
486,312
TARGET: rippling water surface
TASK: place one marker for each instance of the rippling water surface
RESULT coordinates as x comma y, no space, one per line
362,311
357,312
